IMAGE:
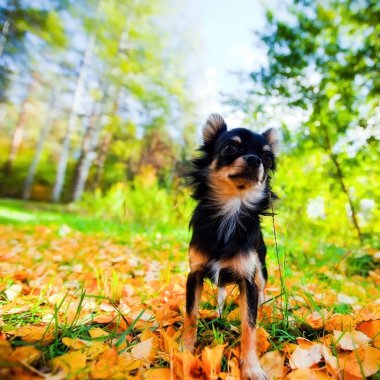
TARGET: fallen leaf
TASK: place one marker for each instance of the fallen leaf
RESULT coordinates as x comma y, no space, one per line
32,334
105,366
158,374
272,363
263,343
187,366
350,340
169,345
70,363
26,354
75,344
13,291
97,333
306,357
211,360
364,360
309,374
143,349
372,330
340,322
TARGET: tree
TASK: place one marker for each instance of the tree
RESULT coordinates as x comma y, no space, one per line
324,66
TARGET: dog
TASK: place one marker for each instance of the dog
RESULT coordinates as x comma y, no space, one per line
231,185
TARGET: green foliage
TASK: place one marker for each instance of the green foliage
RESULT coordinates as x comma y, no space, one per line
142,202
322,75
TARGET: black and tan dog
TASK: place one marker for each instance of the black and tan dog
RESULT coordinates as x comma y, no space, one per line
231,184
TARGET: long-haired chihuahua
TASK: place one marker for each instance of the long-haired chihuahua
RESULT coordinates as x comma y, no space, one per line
231,185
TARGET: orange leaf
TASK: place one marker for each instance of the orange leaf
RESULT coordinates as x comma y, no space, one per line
159,374
364,359
105,366
262,340
211,359
372,330
169,345
187,366
340,322
307,373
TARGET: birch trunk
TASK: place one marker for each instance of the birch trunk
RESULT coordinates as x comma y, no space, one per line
88,154
40,144
71,125
19,131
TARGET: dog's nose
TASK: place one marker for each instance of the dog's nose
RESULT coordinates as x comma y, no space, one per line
252,160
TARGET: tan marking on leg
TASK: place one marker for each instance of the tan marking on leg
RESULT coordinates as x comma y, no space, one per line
260,281
196,259
250,365
189,334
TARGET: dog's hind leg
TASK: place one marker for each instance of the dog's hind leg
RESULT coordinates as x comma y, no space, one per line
250,365
221,300
194,287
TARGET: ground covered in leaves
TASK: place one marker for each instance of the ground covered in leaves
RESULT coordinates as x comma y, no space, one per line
81,306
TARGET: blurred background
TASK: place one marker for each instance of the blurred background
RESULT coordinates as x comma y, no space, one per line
102,103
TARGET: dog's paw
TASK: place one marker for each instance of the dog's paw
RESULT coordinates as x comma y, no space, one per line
253,373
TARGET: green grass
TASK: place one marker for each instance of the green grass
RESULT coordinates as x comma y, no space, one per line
30,214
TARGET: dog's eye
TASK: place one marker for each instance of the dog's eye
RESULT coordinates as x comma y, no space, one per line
230,149
267,159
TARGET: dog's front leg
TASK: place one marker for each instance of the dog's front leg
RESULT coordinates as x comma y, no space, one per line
250,365
194,287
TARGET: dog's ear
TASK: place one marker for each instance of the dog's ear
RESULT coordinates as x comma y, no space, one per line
214,127
273,139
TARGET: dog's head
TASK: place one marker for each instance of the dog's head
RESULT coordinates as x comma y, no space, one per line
235,164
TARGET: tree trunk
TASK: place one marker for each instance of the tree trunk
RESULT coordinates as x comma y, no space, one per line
87,156
65,151
40,144
19,131
101,160
342,183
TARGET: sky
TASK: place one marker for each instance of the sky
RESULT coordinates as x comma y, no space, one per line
223,32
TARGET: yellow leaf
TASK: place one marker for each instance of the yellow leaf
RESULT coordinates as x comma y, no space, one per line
307,373
169,344
34,334
5,350
75,344
70,363
272,363
27,354
211,359
93,351
97,333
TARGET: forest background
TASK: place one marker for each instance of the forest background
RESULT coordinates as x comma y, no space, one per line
100,114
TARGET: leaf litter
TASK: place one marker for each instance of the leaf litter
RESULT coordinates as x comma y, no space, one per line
76,306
